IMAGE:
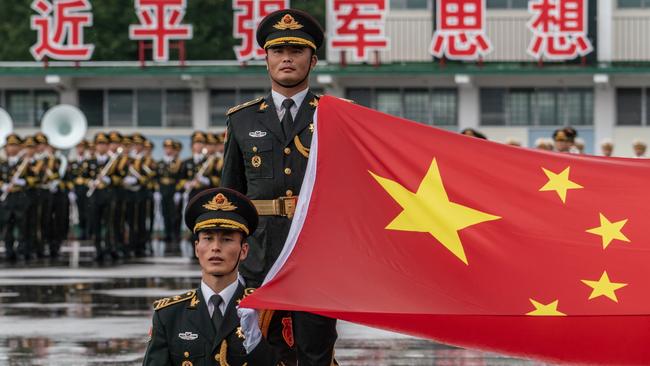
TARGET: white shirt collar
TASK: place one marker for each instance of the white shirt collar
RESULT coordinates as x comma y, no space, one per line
226,294
297,100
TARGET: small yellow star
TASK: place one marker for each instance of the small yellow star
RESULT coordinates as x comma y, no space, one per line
559,182
545,310
263,106
429,210
604,287
609,231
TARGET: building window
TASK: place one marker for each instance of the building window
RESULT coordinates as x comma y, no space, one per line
429,106
536,107
633,4
629,107
221,100
27,107
507,4
137,108
409,4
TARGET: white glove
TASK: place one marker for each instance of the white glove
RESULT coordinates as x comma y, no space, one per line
72,196
204,180
189,185
177,197
20,182
53,186
250,325
5,187
157,196
106,180
130,180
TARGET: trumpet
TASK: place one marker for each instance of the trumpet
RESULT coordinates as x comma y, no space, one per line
94,183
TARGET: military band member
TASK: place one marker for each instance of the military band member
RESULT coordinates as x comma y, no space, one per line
149,167
13,181
136,184
267,148
195,175
202,326
118,202
102,178
167,176
78,187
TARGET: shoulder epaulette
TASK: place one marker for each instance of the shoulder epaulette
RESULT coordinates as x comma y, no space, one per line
244,105
167,301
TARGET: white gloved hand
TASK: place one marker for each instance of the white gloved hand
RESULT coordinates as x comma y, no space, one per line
106,180
5,187
250,325
72,196
130,180
204,180
20,182
53,186
157,196
188,185
177,197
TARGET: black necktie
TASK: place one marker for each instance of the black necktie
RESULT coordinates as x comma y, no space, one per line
217,316
287,119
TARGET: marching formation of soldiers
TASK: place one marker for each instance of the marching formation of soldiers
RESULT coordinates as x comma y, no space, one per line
109,188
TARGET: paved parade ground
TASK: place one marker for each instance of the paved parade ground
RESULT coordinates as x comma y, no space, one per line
80,313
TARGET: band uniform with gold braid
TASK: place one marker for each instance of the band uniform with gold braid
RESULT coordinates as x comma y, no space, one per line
282,206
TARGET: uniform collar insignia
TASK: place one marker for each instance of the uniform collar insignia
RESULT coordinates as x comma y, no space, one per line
257,134
287,22
220,202
311,127
314,103
188,336
263,106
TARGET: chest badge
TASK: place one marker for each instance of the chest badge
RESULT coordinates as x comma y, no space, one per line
188,336
256,161
257,134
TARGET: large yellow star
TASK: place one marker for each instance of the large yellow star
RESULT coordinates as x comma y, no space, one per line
430,211
609,231
559,182
604,287
545,309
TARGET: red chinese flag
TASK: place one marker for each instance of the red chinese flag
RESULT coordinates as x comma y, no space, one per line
469,242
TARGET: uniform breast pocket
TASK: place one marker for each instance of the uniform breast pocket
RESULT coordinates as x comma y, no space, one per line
258,157
184,353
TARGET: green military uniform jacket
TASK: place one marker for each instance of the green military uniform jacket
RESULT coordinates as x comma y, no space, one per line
263,164
182,334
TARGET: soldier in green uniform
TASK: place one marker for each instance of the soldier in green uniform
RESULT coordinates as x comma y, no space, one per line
78,186
194,177
136,183
203,326
167,178
267,148
13,200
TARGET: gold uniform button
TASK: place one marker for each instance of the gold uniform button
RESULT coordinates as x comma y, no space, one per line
287,151
289,193
186,354
254,149
217,356
287,171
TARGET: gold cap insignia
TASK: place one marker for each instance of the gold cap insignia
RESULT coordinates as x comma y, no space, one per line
220,202
287,22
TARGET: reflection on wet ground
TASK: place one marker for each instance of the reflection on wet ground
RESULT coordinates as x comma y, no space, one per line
54,314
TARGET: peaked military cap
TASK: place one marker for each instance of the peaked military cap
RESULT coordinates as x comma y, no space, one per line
168,143
101,138
40,138
126,140
83,143
289,27
221,208
29,141
198,136
212,138
115,136
148,144
178,145
137,138
13,139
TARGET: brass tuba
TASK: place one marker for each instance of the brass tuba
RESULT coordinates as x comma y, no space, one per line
64,125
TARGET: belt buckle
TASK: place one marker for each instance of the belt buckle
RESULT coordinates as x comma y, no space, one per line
288,206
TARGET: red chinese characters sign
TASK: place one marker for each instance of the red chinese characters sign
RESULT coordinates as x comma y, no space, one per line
460,32
247,16
359,26
59,29
160,22
559,29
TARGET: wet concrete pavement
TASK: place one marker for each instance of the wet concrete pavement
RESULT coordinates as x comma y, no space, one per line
52,314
